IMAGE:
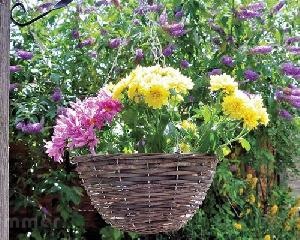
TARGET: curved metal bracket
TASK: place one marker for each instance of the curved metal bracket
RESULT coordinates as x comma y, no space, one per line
58,5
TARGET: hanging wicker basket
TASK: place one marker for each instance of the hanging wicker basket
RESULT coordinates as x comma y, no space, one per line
146,193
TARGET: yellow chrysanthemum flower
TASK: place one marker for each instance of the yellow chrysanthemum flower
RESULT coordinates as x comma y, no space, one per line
237,226
188,126
156,96
274,210
267,237
298,224
154,85
249,109
223,82
185,148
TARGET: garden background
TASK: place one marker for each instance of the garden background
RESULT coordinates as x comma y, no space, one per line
74,51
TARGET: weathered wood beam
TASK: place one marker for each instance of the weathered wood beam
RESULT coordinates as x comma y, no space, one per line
4,106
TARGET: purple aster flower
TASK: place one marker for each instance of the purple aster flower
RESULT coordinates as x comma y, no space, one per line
227,60
115,43
13,86
56,95
251,75
25,55
168,50
291,40
75,34
294,49
285,114
184,64
278,6
290,69
261,49
14,69
215,71
139,55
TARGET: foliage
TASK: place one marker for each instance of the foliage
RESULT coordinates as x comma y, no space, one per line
81,48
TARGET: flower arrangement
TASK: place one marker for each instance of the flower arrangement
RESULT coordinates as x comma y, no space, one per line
146,105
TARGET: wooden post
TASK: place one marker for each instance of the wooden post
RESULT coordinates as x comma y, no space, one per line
4,106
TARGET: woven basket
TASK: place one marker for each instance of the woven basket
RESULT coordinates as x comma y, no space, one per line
146,193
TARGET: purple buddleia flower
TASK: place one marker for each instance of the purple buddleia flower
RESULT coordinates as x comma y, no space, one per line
146,8
75,34
285,114
88,42
257,6
89,10
115,43
14,69
175,29
13,87
278,6
179,14
184,64
215,71
29,128
163,18
261,49
56,95
227,60
290,69
25,55
168,50
139,55
251,75
295,91
292,40
295,103
32,128
294,49
246,14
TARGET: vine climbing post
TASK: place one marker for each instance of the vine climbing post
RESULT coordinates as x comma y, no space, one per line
4,106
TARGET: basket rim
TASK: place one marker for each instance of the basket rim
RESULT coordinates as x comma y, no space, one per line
82,158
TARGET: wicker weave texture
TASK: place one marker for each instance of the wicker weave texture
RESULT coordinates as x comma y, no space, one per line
146,193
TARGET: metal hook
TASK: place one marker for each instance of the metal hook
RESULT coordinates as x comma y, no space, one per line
58,5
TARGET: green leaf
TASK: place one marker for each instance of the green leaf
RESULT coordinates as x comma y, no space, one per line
245,144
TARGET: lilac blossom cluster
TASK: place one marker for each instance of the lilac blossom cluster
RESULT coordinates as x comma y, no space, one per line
77,127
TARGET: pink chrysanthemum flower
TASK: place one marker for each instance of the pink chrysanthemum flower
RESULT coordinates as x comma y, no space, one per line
77,127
